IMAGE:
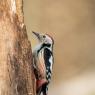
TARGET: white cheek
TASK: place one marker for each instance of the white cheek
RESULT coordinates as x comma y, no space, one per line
48,39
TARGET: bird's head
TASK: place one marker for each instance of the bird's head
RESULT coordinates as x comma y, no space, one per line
44,38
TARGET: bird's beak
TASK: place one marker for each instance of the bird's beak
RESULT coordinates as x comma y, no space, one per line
37,35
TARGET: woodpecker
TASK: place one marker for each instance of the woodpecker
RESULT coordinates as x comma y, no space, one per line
43,62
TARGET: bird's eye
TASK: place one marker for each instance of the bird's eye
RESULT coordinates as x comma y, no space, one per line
44,36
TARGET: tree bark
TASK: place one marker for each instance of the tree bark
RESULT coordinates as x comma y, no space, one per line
16,75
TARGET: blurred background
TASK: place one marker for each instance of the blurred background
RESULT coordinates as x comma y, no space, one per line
72,25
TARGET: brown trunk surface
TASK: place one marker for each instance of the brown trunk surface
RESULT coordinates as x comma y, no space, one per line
16,76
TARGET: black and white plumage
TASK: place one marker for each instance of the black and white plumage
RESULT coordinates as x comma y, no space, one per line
43,62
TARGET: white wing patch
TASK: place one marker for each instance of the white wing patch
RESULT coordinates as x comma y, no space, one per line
51,61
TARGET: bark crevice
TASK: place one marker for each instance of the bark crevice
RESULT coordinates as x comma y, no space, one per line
16,75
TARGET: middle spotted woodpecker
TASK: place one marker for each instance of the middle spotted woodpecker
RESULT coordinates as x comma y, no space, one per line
43,62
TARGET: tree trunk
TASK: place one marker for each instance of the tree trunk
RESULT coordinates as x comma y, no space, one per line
16,76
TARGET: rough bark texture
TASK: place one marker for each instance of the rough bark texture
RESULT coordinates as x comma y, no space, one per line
16,76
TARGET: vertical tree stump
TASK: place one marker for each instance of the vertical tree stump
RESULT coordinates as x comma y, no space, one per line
16,76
